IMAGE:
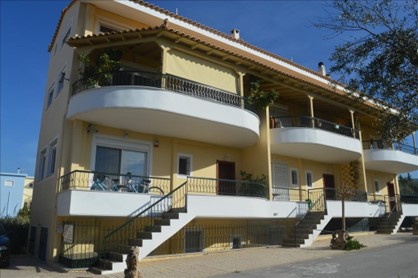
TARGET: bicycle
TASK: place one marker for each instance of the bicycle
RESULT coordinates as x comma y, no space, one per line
100,183
142,187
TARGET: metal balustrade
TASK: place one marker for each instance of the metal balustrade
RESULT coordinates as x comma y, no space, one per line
382,145
212,186
111,182
317,123
157,80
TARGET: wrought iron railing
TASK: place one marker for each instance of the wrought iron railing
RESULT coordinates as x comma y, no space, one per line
158,80
289,194
110,182
310,122
126,235
316,199
393,204
199,237
226,187
355,195
382,145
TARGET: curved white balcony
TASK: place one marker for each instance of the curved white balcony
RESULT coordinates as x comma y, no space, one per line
314,144
390,161
162,112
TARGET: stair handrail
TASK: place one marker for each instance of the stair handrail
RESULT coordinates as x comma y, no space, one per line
397,207
146,210
309,209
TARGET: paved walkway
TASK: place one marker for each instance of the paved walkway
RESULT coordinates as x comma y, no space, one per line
212,264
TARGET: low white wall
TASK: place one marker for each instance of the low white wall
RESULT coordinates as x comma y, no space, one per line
97,203
242,207
355,209
410,209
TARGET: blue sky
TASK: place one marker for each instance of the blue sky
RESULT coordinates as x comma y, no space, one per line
281,27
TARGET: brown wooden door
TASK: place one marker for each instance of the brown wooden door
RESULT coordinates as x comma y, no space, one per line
391,193
226,171
329,185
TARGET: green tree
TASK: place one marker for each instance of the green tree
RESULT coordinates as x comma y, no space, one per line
380,59
408,186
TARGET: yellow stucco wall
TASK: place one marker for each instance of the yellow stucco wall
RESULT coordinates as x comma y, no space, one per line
200,70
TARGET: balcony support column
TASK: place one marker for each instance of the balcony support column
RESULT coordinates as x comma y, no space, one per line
311,106
241,86
353,125
164,56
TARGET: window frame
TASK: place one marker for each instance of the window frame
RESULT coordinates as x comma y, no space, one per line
65,37
52,158
379,191
189,158
294,170
110,24
122,144
50,96
42,160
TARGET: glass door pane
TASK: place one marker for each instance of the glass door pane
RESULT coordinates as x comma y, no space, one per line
107,160
134,163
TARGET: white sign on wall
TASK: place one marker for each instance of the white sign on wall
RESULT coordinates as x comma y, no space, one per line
68,233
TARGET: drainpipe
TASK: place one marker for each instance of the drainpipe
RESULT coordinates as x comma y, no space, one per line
414,142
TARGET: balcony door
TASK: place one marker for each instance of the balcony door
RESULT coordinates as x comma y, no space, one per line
329,185
280,179
391,193
226,176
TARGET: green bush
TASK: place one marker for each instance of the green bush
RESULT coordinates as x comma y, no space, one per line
17,229
353,244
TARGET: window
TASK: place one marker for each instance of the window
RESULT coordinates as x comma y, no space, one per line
114,156
377,186
294,176
52,157
50,97
309,179
61,79
9,183
121,161
42,164
106,29
65,38
184,165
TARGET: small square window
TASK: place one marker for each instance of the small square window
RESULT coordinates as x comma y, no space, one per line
184,165
309,179
294,177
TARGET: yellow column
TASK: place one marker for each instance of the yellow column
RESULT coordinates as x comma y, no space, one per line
311,106
241,85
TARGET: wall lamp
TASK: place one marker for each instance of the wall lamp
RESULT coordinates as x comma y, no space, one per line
91,129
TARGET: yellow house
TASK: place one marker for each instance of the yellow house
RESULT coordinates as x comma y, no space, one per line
148,139
27,191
